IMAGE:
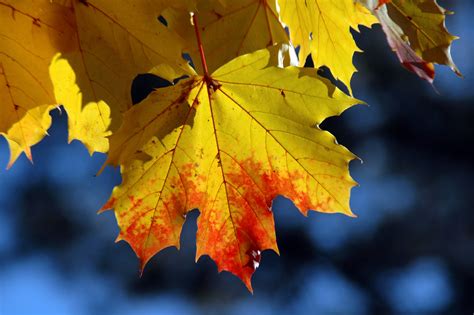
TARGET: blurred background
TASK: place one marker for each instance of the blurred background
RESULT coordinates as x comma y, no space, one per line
410,251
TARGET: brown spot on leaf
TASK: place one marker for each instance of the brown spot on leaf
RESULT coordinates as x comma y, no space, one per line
37,22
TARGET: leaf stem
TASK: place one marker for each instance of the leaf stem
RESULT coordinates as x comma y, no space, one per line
201,47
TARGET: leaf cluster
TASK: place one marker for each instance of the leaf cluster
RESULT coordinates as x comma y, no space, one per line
240,126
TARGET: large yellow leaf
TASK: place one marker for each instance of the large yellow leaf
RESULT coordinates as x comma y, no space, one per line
322,29
228,144
229,29
83,55
31,33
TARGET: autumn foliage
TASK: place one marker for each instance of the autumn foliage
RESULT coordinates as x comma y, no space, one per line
240,127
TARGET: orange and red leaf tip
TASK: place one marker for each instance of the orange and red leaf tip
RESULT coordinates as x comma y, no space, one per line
109,205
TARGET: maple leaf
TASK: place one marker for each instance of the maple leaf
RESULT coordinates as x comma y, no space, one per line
83,55
228,144
312,24
416,31
29,38
423,21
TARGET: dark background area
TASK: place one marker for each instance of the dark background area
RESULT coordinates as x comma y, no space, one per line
410,251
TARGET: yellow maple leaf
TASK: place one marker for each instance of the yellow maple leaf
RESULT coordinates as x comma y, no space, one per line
228,144
83,55
313,25
30,36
